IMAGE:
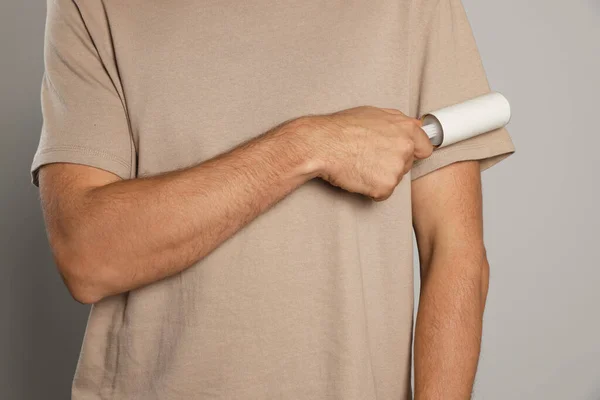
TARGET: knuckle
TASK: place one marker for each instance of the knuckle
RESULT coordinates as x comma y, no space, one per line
425,151
416,122
388,183
382,193
375,193
407,129
378,196
408,147
408,122
391,183
415,127
392,124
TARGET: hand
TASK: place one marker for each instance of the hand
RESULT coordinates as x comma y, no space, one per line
368,149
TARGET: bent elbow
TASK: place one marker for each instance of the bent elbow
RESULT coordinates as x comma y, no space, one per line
84,276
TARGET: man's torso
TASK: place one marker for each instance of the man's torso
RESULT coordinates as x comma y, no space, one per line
313,299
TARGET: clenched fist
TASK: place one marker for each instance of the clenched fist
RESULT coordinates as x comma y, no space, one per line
367,149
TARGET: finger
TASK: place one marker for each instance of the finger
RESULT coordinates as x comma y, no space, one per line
423,146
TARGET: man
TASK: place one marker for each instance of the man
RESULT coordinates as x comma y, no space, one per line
233,185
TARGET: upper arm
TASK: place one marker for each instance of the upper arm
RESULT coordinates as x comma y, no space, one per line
85,139
84,116
447,69
447,212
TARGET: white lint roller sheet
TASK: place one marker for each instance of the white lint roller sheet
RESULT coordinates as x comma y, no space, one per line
467,119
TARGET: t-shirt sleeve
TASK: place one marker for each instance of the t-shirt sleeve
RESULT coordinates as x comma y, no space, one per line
84,115
447,69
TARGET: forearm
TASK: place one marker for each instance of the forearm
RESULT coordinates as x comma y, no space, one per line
130,233
449,323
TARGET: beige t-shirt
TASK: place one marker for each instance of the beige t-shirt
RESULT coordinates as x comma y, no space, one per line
314,298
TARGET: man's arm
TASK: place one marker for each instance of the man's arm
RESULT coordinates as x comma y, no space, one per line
110,236
447,217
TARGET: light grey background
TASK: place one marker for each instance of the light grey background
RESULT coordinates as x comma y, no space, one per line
542,323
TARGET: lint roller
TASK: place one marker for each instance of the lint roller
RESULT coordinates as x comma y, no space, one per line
467,119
